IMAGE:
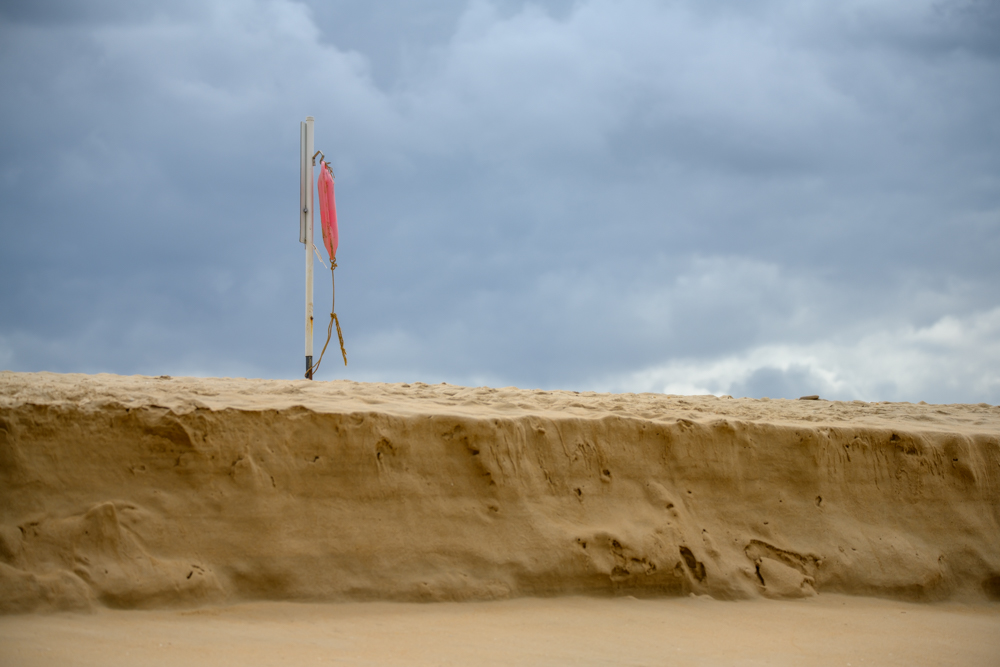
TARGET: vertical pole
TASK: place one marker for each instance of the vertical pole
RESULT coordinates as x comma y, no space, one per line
306,232
303,183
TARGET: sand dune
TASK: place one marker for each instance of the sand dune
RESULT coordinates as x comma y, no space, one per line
151,492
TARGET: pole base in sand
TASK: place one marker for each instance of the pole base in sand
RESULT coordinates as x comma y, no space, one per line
309,365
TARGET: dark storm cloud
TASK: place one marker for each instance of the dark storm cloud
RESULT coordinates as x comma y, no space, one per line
634,195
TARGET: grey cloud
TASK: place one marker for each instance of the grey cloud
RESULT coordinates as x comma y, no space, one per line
95,12
530,194
794,382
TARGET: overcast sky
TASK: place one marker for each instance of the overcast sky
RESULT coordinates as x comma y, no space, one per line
706,196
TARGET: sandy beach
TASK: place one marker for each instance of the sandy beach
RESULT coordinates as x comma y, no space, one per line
239,521
827,630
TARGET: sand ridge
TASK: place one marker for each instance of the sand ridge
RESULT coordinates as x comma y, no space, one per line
147,492
182,394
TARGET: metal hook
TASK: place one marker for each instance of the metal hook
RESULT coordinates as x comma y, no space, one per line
328,167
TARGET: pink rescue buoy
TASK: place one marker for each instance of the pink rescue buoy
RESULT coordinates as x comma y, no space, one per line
328,210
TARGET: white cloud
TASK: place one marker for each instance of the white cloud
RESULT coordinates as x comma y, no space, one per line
956,359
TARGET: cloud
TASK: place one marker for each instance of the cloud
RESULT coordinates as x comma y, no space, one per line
952,360
569,194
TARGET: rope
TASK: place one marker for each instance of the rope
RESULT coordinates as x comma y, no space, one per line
340,335
333,320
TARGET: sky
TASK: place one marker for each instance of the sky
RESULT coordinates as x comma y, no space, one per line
776,198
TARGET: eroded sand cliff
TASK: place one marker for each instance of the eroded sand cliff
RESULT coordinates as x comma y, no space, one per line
144,492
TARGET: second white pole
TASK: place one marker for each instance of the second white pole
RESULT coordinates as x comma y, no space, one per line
307,209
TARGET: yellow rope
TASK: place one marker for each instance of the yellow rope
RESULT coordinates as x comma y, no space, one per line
329,329
340,335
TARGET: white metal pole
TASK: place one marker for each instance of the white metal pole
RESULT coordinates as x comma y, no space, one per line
303,182
307,209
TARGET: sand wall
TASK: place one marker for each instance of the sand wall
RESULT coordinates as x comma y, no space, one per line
179,492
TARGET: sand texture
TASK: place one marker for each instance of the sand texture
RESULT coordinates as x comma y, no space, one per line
827,630
139,492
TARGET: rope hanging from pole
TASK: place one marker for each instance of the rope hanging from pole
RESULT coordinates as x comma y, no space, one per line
329,329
